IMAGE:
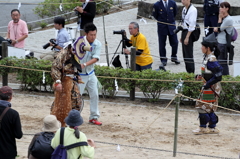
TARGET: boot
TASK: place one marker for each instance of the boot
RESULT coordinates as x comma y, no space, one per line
213,131
200,131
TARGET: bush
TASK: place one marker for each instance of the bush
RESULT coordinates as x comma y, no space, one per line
50,8
159,82
42,24
29,79
103,6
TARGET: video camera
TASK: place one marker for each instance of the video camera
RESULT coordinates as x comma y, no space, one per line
123,32
179,28
9,41
53,41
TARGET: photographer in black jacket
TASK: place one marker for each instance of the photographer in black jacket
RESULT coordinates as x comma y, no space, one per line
86,13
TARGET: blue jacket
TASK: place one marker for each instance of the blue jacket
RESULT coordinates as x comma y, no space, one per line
161,14
211,7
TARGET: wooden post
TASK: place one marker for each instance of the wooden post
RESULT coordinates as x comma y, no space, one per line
4,54
133,68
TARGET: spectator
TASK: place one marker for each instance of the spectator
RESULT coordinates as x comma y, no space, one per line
50,126
225,24
211,11
165,11
10,126
88,75
86,13
189,17
73,135
62,37
144,59
17,30
211,75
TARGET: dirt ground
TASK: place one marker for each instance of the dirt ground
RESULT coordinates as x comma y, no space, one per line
141,129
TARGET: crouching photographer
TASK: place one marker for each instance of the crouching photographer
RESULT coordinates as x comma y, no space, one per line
144,59
56,44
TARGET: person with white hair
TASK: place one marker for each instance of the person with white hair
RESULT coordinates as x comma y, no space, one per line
50,126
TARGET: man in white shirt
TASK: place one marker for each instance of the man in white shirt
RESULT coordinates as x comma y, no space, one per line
189,17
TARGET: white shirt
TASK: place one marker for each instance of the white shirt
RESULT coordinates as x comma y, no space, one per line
164,3
190,18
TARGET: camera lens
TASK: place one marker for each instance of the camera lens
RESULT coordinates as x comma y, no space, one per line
46,45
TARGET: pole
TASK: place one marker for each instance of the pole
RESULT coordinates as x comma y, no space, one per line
178,88
106,46
133,68
5,54
176,127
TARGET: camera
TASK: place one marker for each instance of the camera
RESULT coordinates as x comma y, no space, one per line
179,28
9,41
30,55
53,41
119,32
76,12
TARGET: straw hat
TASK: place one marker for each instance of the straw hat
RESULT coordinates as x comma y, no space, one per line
81,45
50,124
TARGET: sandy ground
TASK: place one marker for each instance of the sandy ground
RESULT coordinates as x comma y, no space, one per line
146,130
126,122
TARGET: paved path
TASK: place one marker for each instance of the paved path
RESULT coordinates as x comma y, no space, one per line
121,20
27,13
118,21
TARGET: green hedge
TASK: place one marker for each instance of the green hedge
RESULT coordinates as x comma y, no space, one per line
126,79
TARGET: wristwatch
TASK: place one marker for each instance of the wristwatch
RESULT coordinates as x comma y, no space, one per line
85,64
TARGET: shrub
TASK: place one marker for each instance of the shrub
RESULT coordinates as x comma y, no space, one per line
155,83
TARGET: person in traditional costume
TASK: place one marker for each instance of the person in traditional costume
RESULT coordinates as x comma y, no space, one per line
65,72
211,76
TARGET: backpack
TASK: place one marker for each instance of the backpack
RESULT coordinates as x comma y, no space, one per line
231,37
196,33
234,34
61,151
42,148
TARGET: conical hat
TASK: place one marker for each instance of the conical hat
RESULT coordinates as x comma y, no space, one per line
81,45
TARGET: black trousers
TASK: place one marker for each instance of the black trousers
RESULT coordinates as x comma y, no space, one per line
223,57
187,51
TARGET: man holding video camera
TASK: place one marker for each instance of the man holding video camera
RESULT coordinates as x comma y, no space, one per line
144,59
57,44
189,17
86,13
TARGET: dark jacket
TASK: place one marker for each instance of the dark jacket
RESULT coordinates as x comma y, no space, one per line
88,13
10,129
30,156
210,7
161,14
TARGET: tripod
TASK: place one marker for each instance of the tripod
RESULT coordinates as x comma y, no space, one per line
126,56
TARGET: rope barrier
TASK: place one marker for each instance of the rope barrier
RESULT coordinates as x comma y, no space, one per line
117,77
160,113
153,149
210,104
